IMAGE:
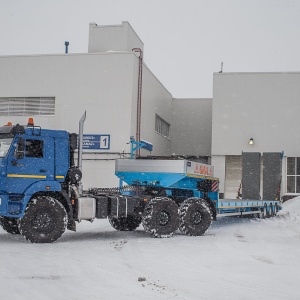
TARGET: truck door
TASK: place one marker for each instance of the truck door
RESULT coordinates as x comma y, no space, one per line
30,161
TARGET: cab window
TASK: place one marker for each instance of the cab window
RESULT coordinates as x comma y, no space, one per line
34,148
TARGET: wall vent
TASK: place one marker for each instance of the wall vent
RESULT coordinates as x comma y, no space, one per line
27,106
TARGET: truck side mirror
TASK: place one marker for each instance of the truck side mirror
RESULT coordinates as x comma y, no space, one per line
19,152
73,138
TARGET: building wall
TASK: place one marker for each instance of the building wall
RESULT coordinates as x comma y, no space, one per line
155,100
262,106
191,127
218,161
113,38
101,84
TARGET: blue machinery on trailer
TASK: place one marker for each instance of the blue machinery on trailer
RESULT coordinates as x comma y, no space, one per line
185,179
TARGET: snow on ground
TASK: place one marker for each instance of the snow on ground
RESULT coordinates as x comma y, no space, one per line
238,258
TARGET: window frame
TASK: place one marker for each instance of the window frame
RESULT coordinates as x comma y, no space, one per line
162,127
39,154
295,176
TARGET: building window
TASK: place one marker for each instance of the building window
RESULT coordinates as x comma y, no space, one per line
162,127
293,175
27,106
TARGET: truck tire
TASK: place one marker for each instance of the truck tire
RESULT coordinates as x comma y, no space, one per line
10,225
125,224
264,212
275,209
195,217
161,218
44,221
271,210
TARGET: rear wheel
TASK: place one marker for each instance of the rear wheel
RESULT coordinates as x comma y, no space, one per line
275,209
195,217
271,210
10,225
128,223
44,221
161,217
264,212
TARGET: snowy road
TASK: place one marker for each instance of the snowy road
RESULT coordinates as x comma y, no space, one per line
236,259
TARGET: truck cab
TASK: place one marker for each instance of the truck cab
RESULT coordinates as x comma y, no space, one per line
37,164
31,160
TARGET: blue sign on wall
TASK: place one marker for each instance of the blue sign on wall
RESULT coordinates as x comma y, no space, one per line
96,142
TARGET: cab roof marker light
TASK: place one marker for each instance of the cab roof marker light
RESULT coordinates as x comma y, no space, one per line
30,122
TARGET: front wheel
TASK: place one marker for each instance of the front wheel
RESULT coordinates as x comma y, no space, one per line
195,217
44,221
128,223
10,225
161,217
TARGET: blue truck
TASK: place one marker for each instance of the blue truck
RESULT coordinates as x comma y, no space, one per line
41,194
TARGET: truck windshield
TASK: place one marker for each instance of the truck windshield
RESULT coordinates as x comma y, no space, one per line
4,146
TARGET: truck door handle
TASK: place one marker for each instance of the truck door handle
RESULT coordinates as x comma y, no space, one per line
15,163
43,171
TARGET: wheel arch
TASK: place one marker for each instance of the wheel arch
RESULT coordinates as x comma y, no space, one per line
60,196
212,207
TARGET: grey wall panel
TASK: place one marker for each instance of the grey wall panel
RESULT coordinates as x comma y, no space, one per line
272,172
191,126
262,106
251,175
233,175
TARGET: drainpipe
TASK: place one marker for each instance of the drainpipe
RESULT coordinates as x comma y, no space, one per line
139,97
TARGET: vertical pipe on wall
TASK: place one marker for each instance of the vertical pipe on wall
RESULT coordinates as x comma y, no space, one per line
67,46
139,97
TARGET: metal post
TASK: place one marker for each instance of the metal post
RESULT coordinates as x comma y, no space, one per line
67,45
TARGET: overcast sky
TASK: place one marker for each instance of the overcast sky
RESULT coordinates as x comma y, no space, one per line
185,41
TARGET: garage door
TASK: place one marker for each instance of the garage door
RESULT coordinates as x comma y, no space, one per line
233,175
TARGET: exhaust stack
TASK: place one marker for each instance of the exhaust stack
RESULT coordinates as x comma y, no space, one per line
80,142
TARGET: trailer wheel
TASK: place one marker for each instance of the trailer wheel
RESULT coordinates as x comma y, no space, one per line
195,217
271,210
264,212
275,209
44,221
10,225
161,218
128,223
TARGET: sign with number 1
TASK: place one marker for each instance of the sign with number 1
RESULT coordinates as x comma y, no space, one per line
96,142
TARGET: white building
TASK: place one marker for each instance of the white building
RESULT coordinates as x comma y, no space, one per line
57,89
261,106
